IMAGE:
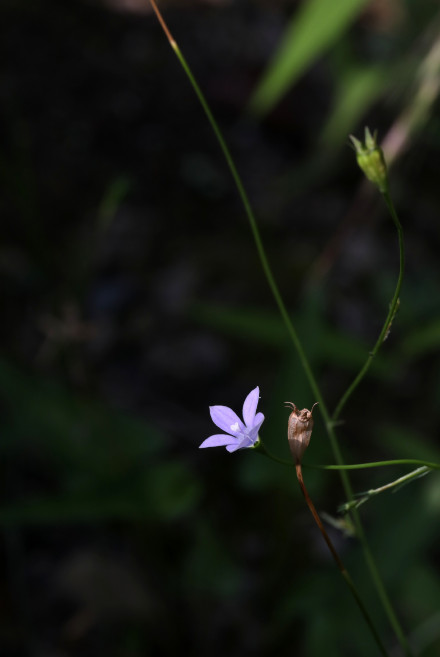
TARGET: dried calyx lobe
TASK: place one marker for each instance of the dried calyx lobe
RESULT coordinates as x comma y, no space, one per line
299,430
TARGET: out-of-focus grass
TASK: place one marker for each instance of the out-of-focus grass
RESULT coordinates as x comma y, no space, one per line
315,27
100,462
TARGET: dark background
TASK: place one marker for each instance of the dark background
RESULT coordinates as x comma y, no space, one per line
133,298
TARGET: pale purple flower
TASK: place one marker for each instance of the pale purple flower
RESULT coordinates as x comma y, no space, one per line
239,435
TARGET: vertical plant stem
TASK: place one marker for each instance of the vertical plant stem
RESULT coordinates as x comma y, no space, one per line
392,311
386,602
248,209
318,521
344,572
377,579
292,333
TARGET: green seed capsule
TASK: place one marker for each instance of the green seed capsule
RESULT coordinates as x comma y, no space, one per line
370,158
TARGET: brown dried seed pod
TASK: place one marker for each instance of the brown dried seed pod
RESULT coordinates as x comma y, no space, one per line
299,430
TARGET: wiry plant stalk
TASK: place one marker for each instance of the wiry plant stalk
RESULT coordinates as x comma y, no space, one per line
344,572
329,423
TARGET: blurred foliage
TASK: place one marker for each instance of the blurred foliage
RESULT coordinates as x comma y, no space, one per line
133,299
313,28
99,459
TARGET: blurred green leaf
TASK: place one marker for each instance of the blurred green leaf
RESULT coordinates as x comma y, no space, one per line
245,323
329,346
63,509
422,340
357,90
404,526
210,566
166,491
172,490
404,442
99,460
323,605
112,199
316,25
73,430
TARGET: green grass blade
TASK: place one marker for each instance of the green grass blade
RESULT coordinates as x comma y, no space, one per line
312,30
357,91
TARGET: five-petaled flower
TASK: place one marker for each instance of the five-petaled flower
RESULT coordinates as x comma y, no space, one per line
238,435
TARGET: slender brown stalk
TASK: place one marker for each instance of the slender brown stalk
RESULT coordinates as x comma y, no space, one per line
344,572
163,24
318,520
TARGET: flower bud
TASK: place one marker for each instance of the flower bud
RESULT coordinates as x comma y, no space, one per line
299,430
370,158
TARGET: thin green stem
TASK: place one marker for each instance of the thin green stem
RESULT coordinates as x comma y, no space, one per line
291,331
376,464
255,232
377,578
372,492
391,314
386,602
262,449
346,575
368,555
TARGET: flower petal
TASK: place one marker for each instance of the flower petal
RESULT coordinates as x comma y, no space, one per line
252,432
232,448
250,406
258,421
218,440
225,419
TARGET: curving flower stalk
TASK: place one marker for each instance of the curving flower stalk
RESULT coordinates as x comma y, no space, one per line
299,432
